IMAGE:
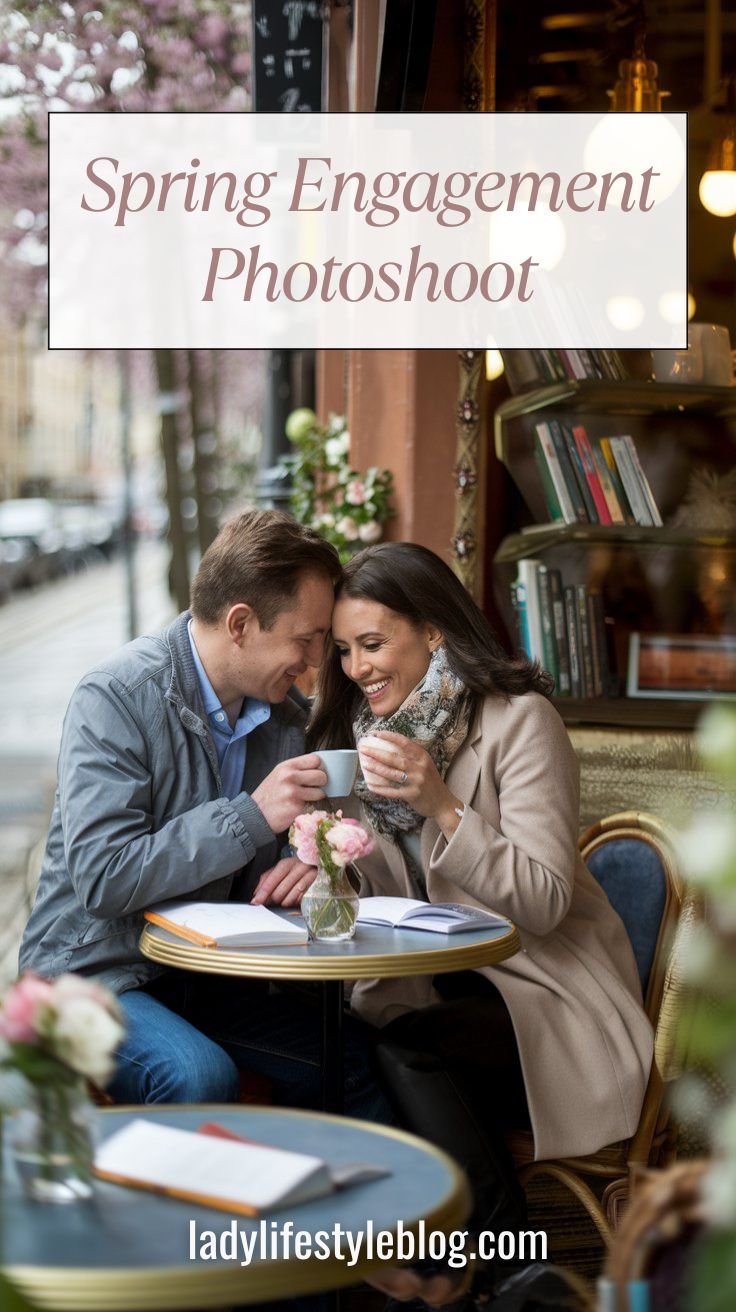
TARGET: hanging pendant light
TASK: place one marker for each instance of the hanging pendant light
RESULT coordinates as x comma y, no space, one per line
637,91
717,188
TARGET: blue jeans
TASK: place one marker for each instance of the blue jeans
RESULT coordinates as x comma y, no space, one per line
189,1036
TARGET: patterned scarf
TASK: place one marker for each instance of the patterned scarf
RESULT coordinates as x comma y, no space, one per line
436,714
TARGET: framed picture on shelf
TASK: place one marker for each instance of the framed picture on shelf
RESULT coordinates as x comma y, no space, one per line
696,667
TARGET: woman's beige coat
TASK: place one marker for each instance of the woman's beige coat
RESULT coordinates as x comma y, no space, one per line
573,990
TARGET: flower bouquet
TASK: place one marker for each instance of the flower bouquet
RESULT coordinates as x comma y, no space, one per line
54,1035
346,506
329,841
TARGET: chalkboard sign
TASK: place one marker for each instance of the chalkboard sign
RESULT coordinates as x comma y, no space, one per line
287,50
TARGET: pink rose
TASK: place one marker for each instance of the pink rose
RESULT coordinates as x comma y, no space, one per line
349,841
303,836
22,1009
356,492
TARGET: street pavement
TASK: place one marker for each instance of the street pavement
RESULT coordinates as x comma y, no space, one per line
49,637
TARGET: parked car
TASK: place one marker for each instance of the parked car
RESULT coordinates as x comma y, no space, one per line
89,532
35,524
21,565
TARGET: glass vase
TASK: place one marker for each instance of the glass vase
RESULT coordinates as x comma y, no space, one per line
52,1143
330,907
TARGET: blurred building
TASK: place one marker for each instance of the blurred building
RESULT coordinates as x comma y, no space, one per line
60,420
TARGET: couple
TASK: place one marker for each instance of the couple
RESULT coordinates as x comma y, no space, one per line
184,761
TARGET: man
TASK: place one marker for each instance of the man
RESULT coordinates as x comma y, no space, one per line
181,768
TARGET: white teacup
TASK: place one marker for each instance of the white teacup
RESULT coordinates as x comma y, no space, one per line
341,767
372,779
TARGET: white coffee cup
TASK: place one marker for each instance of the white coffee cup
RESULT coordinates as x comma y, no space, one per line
372,779
341,767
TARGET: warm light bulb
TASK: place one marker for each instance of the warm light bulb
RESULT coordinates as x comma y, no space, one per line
494,365
625,312
717,192
657,144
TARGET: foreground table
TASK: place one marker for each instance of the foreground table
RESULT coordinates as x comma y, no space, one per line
376,952
129,1250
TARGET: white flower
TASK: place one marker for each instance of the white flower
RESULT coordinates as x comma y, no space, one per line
336,448
370,532
719,1195
348,527
86,1036
370,509
326,521
708,850
716,738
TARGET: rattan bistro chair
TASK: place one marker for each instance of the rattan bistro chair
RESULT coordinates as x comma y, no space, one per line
632,858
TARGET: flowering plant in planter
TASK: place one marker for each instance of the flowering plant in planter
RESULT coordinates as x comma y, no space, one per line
330,841
346,507
54,1035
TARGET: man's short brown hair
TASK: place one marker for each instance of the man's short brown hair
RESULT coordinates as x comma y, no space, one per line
260,558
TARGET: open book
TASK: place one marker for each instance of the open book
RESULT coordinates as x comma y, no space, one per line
439,917
218,1169
226,924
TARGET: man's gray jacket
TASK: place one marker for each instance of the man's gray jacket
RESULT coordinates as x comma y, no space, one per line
139,816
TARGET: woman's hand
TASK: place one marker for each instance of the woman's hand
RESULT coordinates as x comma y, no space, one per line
411,775
284,884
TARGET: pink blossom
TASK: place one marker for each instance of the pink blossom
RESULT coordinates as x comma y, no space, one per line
356,492
303,836
22,1008
348,841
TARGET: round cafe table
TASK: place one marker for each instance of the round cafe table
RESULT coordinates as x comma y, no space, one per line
377,951
131,1251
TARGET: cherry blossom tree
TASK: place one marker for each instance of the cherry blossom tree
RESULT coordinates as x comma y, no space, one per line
130,55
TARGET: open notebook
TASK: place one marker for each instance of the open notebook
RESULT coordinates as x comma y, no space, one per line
438,917
226,924
218,1169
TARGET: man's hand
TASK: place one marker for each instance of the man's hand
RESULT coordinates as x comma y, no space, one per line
286,790
285,883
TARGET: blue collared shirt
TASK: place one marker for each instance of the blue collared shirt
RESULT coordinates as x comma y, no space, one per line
230,743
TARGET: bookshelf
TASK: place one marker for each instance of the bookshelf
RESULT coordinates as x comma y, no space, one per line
668,584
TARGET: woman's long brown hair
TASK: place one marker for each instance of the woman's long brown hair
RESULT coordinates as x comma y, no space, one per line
417,584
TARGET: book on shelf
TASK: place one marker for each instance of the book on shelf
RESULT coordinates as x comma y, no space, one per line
643,481
631,480
436,917
527,580
548,452
585,651
564,687
585,455
573,640
549,643
604,444
568,472
551,500
226,924
605,478
579,475
218,1169
518,602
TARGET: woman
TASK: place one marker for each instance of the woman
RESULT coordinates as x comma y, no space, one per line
478,803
